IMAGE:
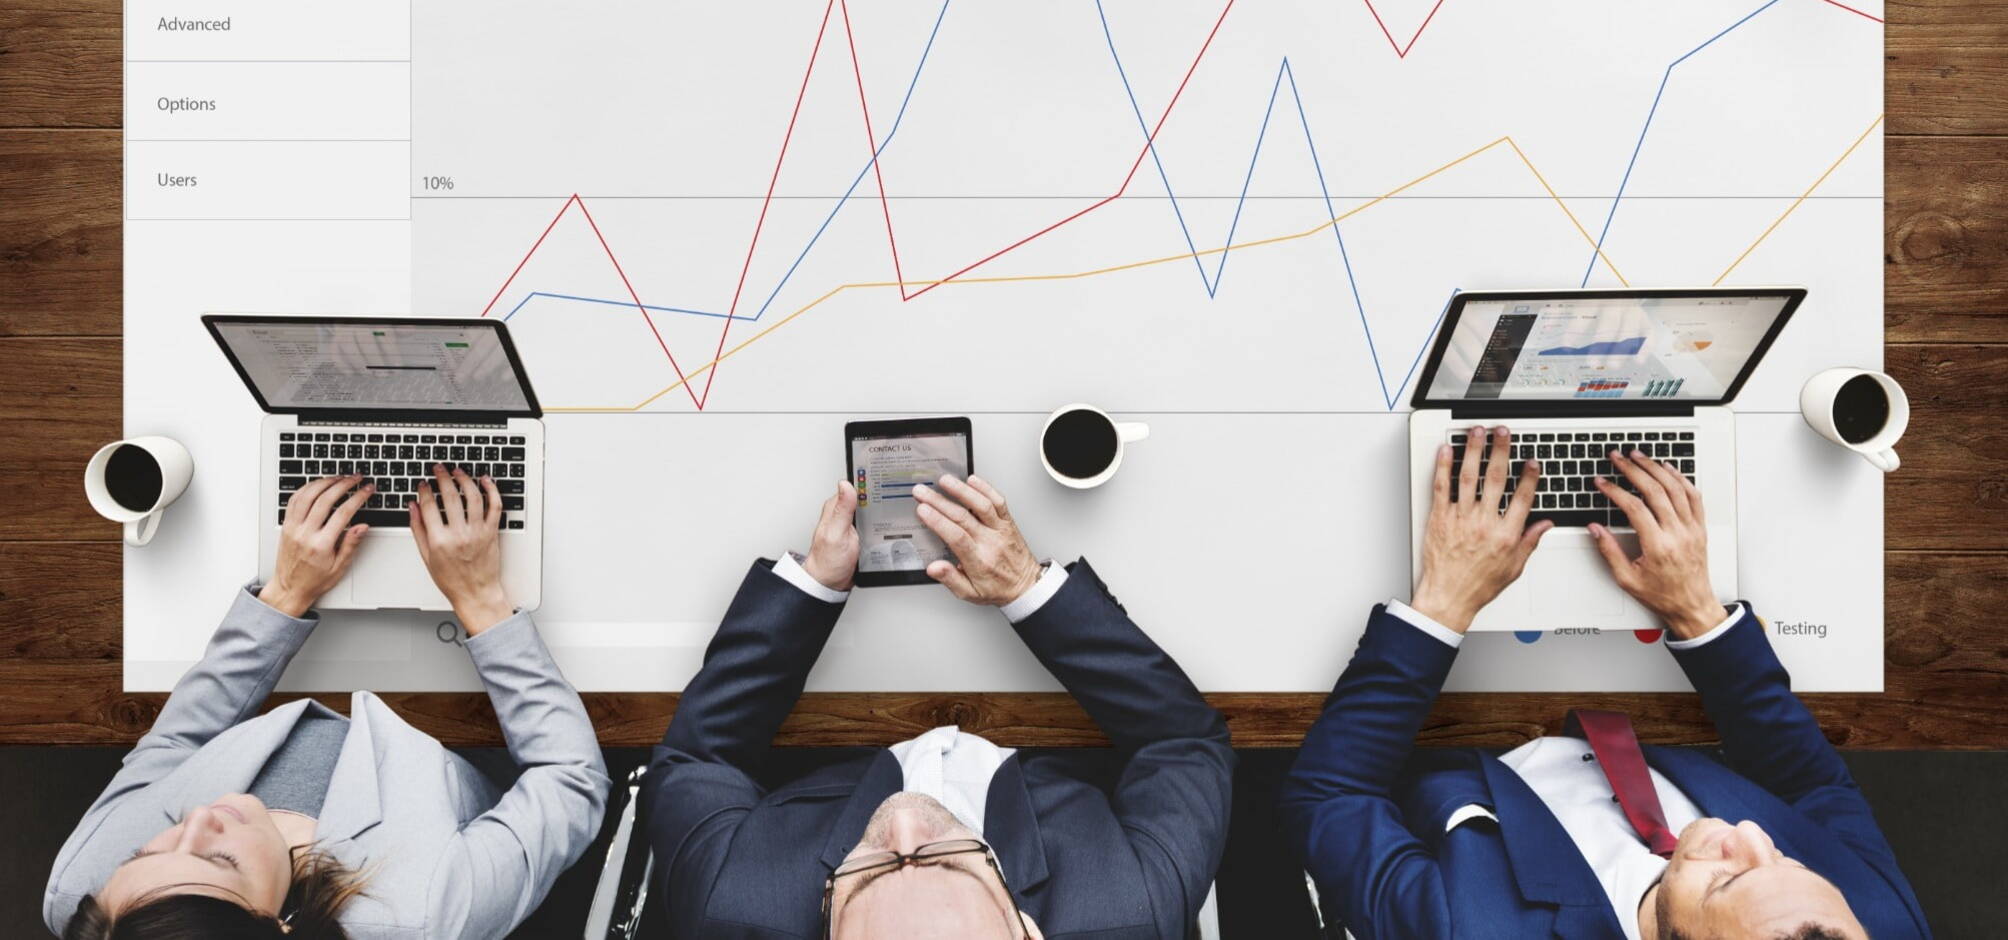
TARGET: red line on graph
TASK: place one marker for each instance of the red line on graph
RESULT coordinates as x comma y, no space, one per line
1855,11
1134,165
595,226
567,207
681,378
871,143
1401,51
871,139
733,309
698,399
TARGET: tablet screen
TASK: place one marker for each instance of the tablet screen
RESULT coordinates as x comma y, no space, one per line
885,470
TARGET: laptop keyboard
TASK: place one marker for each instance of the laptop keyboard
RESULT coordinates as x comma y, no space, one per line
1571,460
398,461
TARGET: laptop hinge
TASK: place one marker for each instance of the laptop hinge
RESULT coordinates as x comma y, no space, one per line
1571,409
413,419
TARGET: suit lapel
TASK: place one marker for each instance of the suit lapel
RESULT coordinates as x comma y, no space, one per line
231,767
880,780
355,799
1546,864
1012,828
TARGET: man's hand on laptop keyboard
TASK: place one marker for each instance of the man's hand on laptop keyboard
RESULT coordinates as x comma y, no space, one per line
1670,576
316,542
456,521
1470,549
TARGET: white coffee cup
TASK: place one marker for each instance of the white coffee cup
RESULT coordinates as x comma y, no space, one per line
135,491
1093,446
1844,414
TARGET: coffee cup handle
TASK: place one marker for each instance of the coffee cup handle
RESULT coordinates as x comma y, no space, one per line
1132,431
1885,460
140,531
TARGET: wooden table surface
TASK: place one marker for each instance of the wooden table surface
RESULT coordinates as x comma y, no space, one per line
1946,271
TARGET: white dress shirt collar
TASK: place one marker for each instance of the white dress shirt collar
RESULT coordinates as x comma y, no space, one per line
953,768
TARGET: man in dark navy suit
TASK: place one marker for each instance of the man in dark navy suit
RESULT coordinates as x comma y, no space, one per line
947,834
1586,834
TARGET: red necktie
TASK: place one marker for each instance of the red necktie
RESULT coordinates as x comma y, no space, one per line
1611,738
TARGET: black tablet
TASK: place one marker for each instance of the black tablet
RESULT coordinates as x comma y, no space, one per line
885,460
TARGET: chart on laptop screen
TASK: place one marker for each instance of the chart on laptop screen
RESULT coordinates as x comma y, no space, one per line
715,230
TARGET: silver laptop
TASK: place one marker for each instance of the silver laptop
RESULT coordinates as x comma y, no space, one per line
1575,374
388,398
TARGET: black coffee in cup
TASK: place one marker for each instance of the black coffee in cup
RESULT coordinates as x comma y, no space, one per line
1080,443
1861,408
132,477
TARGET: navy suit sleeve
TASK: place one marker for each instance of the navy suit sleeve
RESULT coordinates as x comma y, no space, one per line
1337,802
1178,767
1767,734
697,790
1770,738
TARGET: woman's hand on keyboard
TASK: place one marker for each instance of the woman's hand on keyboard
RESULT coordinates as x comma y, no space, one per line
456,521
316,542
1471,549
1670,576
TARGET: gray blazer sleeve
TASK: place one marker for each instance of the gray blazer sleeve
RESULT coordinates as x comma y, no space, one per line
502,863
244,660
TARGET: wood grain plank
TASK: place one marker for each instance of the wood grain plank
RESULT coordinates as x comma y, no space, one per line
62,395
60,64
1945,240
60,600
1944,72
1952,491
60,232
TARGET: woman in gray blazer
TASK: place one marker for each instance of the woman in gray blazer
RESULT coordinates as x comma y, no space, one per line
303,823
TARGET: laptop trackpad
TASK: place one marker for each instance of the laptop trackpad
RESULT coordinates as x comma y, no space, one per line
1568,581
389,573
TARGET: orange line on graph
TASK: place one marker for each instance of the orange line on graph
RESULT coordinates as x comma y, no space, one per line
1185,256
1802,198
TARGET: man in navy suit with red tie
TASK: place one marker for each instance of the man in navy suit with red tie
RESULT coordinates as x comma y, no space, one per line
1588,834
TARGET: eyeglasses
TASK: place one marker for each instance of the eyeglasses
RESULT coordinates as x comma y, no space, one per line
933,853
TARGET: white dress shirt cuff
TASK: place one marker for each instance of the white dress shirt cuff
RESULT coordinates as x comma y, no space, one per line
1466,813
789,567
1735,614
1423,622
1037,595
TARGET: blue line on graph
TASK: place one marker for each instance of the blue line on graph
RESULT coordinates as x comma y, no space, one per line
1283,71
841,201
1663,78
629,304
846,197
1212,284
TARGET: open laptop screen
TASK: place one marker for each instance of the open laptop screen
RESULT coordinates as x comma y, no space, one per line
1639,346
305,365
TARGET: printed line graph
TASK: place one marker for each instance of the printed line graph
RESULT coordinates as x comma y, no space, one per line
910,288
1631,164
1127,177
1149,262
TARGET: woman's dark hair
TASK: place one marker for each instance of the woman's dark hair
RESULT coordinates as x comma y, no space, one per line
321,887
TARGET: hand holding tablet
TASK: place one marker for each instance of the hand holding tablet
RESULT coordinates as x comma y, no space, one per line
885,460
